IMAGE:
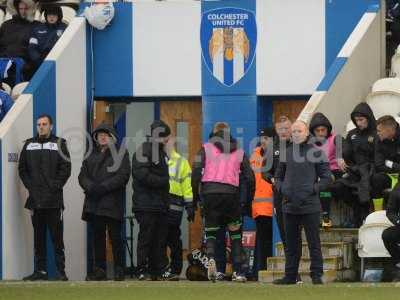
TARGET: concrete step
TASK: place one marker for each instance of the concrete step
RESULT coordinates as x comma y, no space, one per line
337,235
329,276
329,249
330,263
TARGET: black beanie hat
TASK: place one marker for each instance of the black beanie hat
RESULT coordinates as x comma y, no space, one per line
53,10
269,132
162,128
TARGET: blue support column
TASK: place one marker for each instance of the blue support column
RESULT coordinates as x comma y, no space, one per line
228,99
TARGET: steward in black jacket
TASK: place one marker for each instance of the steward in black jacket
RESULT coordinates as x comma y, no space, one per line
150,178
104,175
150,182
44,168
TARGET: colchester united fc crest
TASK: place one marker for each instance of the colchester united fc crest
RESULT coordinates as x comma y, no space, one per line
228,42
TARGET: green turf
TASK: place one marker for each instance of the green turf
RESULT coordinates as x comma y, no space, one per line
189,291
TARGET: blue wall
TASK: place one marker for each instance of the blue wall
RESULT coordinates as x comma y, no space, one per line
113,54
238,104
341,17
43,89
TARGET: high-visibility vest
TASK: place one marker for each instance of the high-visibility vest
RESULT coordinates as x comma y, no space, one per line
180,183
262,204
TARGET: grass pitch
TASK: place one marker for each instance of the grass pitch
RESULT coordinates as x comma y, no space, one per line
194,290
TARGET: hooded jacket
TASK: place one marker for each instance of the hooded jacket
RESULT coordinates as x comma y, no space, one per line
44,36
388,150
300,178
150,178
319,119
15,33
359,146
44,167
332,144
104,185
247,175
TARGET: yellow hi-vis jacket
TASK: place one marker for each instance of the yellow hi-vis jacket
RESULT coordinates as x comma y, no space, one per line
180,186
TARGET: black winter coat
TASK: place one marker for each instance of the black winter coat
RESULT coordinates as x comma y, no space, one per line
297,178
14,37
278,154
150,179
319,119
44,168
388,150
359,146
104,188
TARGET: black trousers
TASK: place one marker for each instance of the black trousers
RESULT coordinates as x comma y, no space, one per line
391,240
174,243
342,192
151,242
263,242
280,221
101,224
279,215
51,218
310,223
220,249
361,209
380,182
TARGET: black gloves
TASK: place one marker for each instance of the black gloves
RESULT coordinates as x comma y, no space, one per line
190,210
268,177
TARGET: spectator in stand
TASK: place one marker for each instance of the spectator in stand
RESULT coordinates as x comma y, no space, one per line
5,103
45,35
44,168
14,41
